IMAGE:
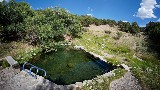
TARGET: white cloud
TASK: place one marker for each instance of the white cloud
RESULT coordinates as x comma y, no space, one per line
90,9
142,25
158,6
146,9
124,21
158,20
90,14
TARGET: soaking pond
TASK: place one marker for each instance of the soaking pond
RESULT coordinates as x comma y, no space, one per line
68,66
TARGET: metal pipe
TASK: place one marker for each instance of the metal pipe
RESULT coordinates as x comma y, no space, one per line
32,66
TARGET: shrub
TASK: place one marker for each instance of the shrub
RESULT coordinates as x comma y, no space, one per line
134,28
48,27
118,35
88,20
107,32
124,26
12,16
153,30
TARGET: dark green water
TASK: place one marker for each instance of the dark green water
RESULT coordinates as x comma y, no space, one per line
67,66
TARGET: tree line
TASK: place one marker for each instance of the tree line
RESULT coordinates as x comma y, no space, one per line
47,27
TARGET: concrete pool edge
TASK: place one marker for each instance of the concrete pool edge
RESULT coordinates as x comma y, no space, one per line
75,86
70,86
123,65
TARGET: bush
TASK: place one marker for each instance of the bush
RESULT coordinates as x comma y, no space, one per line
45,28
107,32
118,35
88,20
48,27
126,27
12,17
134,28
153,30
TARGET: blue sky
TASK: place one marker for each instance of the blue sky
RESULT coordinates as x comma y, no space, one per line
141,11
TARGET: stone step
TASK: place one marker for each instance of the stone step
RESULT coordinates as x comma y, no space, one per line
11,80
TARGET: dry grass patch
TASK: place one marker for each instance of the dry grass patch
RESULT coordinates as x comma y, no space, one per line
18,50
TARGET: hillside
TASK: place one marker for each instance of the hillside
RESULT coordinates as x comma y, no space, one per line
27,35
120,47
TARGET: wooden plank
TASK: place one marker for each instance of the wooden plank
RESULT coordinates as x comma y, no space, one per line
11,61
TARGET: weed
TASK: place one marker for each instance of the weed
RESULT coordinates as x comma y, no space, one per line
147,71
118,36
102,83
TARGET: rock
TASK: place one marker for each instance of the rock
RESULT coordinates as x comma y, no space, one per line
79,85
128,82
71,87
125,67
134,56
98,56
23,81
111,73
107,55
79,47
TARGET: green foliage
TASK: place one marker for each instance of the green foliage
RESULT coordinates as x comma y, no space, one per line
88,20
135,28
118,36
26,55
4,63
38,27
113,60
147,71
124,26
48,27
120,49
103,83
12,15
153,30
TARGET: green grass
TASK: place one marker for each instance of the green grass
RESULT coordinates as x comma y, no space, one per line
97,44
147,71
104,82
4,64
113,60
20,51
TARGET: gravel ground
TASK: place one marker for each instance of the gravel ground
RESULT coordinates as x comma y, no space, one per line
127,82
14,79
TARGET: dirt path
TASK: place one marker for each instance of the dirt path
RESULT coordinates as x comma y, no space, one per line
127,82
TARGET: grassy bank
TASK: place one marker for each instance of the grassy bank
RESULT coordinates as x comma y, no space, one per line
20,51
124,48
115,46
